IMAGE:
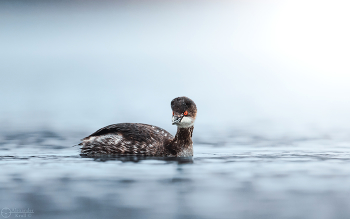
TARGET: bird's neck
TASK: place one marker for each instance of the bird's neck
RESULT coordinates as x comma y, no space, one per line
184,135
181,145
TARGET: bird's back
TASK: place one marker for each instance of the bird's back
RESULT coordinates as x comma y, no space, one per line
127,138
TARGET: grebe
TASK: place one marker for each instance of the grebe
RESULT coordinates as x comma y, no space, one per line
143,139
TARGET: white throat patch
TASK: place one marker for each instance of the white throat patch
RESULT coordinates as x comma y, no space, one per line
186,122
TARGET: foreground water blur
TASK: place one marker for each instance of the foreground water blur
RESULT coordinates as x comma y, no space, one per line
240,176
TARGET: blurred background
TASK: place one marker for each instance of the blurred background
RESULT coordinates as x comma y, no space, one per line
81,65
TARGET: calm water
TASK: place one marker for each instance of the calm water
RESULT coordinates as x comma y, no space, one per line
239,176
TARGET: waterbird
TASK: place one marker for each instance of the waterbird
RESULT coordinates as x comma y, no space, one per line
144,139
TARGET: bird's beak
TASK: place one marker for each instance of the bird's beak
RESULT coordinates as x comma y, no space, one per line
176,119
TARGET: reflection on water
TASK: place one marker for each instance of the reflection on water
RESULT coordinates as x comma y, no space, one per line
137,159
244,177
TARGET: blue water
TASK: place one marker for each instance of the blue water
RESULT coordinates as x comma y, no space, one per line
243,177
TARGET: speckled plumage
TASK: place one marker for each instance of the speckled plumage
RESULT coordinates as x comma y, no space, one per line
143,139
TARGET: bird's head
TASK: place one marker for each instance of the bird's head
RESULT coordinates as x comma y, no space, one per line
184,112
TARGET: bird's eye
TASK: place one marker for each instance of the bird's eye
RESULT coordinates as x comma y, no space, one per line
173,112
186,113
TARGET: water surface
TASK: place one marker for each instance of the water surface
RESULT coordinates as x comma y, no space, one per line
241,177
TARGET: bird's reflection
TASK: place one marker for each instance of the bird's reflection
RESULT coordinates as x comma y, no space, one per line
137,159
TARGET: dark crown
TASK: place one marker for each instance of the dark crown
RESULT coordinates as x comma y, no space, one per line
181,104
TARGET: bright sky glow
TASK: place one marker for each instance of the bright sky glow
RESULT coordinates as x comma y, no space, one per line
316,34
